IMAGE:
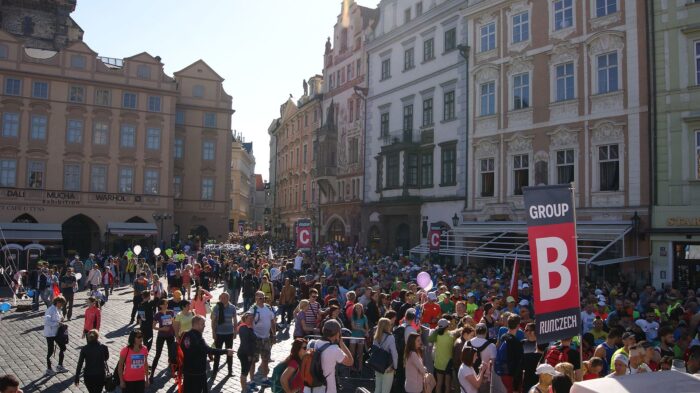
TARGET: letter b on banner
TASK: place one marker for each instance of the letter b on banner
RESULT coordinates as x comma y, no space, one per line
556,266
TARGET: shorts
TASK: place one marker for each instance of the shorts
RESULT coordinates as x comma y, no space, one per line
263,349
446,371
246,363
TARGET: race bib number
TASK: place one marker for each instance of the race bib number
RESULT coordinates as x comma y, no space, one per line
138,361
166,320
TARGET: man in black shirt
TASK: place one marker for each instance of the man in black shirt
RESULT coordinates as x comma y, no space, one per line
67,282
147,308
196,351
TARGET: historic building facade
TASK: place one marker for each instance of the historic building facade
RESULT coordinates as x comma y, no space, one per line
293,159
339,142
242,184
92,149
415,140
675,237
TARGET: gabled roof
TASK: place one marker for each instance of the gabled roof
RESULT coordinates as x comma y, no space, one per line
144,57
288,109
199,69
80,46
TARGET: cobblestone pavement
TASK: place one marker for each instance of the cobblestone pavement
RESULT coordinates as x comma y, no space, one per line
23,349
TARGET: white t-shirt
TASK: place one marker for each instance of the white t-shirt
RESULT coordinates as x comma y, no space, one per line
587,321
487,354
651,329
330,357
263,318
464,385
297,262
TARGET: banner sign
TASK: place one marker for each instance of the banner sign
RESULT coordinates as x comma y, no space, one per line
434,238
551,232
303,235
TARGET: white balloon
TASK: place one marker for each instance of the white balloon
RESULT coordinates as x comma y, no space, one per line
157,251
137,249
78,276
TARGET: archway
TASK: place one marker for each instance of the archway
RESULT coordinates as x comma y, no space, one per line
200,231
374,238
25,219
81,235
403,237
336,231
136,219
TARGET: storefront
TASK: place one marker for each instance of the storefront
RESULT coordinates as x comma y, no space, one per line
675,247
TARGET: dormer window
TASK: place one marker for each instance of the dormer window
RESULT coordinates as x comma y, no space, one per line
143,72
77,61
198,91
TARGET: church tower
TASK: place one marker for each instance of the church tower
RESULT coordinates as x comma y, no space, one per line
43,24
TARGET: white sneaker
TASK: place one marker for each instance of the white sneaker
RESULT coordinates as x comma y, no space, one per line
49,372
61,369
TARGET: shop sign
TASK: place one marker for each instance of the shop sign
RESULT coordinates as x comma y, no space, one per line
683,221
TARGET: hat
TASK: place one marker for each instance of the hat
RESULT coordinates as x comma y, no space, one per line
526,285
524,303
547,369
601,303
484,279
470,294
622,357
443,323
598,292
510,299
601,297
432,296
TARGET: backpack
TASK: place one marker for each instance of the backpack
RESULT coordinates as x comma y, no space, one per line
311,367
557,355
62,334
479,350
276,378
501,363
399,332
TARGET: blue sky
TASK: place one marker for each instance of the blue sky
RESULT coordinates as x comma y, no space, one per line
262,48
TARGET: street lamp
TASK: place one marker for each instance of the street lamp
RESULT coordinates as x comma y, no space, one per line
161,217
455,220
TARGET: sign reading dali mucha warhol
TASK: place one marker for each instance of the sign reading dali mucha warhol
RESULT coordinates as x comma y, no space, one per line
551,231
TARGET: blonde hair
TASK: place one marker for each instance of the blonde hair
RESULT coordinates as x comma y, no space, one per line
567,369
303,305
382,326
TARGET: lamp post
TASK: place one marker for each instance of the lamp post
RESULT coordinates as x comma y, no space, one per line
455,220
161,217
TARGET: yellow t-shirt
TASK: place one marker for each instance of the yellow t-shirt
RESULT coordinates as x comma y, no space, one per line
185,322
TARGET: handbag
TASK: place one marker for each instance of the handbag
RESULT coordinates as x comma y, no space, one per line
115,375
428,383
379,358
110,383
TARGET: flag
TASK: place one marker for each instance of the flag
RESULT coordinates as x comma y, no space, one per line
270,253
514,281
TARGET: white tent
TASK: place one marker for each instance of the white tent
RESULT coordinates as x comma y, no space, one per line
664,381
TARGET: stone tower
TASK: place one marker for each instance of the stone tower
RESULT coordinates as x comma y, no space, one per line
44,24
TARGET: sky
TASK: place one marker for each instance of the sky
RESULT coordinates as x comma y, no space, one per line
262,48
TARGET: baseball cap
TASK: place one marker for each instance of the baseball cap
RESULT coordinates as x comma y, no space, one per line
432,296
443,323
470,294
524,303
510,299
526,285
546,369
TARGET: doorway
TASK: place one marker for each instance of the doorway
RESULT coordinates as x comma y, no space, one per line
81,235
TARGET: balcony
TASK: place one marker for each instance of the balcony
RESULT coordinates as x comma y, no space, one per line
400,139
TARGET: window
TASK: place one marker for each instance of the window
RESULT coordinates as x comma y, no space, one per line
521,27
605,7
71,177
407,15
40,89
180,117
151,181
207,188
74,133
208,150
697,62
8,173
384,125
351,112
76,94
697,154
306,148
198,91
3,51
451,39
177,186
565,81
419,9
35,174
127,139
488,177
331,84
521,173
563,14
449,166
154,103
607,73
98,178
488,98
408,123
358,108
392,170
609,165
521,91
10,125
153,138
100,133
412,170
210,120
348,72
428,49
126,180
426,169
129,100
427,112
488,37
408,61
386,69
448,110
143,72
179,152
358,67
354,151
565,166
77,61
103,97
38,130
13,86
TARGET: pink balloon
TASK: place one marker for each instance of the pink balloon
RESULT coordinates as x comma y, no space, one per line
424,281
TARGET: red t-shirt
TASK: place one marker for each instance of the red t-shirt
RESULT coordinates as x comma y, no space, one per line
297,380
135,365
431,314
588,376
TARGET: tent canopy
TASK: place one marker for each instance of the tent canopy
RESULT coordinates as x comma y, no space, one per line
132,228
11,246
30,231
666,381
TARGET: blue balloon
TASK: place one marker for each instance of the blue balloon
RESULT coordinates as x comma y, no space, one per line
30,292
5,307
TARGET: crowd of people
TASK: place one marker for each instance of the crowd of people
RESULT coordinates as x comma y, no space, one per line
467,331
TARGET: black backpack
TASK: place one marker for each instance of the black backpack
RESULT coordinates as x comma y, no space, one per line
479,350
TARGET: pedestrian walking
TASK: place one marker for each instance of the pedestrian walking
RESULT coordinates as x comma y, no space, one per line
200,301
234,283
333,351
224,319
187,281
265,332
133,365
93,317
163,322
196,351
140,285
69,285
384,338
246,349
94,277
147,309
94,355
52,322
183,320
287,301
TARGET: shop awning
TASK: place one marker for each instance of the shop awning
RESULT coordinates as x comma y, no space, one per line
507,240
132,228
30,231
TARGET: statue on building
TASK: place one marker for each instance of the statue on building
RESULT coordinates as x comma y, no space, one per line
306,88
328,45
330,114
